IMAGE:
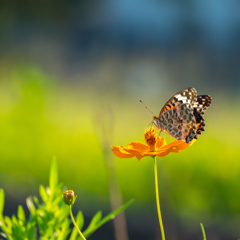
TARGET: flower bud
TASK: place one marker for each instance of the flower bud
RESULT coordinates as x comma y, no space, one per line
69,197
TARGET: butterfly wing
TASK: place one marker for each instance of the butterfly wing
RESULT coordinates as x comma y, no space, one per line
176,117
186,96
182,116
199,107
179,122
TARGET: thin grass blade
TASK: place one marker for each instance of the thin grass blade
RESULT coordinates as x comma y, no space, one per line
109,217
114,213
203,232
1,201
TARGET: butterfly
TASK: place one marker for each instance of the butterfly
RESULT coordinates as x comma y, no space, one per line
182,116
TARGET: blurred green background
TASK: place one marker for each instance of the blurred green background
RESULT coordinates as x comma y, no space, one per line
71,77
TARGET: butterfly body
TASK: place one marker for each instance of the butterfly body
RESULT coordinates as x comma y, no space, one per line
182,115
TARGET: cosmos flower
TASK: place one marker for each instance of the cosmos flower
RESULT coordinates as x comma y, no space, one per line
156,146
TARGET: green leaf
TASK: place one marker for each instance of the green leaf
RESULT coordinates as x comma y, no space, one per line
17,229
203,232
6,225
21,216
31,230
8,222
79,221
53,178
1,201
2,223
35,199
14,220
96,218
109,217
92,226
114,213
31,206
43,193
63,230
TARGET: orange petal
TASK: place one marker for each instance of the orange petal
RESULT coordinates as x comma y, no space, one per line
183,145
149,154
121,153
175,144
163,154
139,157
167,151
138,145
161,142
130,150
174,149
193,141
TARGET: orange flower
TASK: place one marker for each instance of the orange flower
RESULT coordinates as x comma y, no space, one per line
156,146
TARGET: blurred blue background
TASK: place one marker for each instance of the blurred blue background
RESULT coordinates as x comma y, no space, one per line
71,77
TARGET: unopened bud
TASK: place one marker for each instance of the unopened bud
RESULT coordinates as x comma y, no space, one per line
69,197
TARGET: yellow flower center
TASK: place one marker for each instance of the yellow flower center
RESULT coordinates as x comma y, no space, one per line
150,136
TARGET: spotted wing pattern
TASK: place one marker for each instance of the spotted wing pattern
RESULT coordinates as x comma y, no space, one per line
186,96
182,115
199,107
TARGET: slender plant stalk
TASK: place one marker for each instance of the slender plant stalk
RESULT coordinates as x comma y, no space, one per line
157,198
75,224
106,125
203,231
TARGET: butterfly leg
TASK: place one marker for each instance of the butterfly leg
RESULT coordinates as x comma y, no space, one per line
152,123
159,133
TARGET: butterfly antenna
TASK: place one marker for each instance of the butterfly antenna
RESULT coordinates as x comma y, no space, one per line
146,107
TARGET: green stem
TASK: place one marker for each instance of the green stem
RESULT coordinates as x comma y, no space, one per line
157,198
203,231
75,224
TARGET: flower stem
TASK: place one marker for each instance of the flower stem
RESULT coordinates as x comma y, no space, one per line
75,224
157,198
